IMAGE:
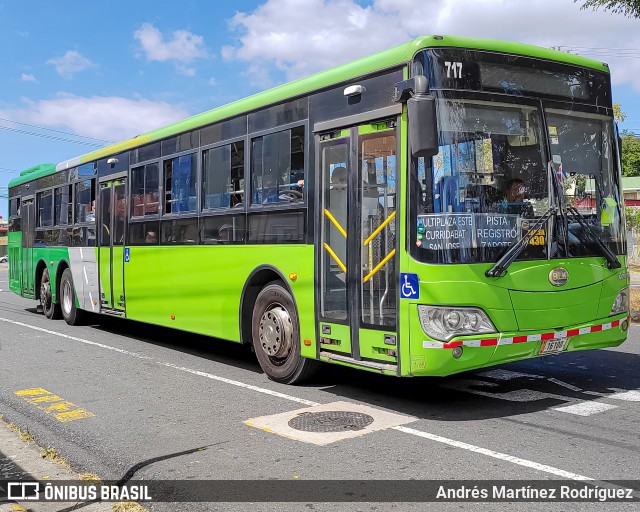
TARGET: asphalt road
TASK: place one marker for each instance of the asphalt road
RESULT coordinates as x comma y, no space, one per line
154,403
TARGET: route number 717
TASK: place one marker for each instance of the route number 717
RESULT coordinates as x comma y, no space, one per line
453,68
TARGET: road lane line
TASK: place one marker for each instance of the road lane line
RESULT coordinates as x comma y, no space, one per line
425,435
564,384
240,384
87,342
496,455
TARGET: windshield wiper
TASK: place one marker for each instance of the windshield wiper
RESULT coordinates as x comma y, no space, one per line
612,261
499,268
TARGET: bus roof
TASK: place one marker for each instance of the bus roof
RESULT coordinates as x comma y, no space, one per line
377,62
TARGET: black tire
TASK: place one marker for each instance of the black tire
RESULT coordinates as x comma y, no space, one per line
276,336
72,315
50,308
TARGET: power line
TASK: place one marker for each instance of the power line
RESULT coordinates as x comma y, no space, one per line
56,131
51,137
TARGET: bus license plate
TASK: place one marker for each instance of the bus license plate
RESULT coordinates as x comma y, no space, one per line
554,346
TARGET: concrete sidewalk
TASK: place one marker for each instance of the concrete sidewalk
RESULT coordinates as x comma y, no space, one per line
20,460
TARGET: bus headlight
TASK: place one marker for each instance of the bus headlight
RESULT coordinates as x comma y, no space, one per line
621,304
443,323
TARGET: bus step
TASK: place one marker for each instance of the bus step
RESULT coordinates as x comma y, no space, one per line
368,364
113,312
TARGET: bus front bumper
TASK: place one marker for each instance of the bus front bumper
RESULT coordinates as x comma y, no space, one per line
471,352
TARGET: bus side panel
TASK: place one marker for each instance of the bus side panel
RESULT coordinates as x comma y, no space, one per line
198,288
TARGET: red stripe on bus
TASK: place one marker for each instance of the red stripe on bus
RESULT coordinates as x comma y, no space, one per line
596,328
547,336
489,342
520,339
615,323
452,344
573,332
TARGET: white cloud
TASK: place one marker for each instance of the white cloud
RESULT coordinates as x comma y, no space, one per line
70,63
184,47
27,77
300,41
102,117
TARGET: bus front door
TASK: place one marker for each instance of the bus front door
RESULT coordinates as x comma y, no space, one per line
357,250
113,209
27,225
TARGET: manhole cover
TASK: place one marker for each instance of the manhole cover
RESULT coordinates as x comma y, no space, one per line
330,421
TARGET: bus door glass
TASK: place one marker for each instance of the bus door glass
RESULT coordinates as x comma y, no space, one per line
27,222
357,254
111,244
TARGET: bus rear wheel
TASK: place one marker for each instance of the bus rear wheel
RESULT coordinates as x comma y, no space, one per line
50,309
276,336
72,315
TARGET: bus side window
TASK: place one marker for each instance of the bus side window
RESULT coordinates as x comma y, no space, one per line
277,167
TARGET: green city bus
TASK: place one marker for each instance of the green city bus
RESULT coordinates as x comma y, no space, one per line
418,212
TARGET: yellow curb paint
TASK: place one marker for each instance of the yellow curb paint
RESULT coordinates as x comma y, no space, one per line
61,407
33,391
43,399
78,414
50,403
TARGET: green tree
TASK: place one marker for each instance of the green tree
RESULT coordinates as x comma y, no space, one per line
630,154
630,150
630,8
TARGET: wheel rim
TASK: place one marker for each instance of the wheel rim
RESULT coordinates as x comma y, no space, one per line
66,297
45,292
276,332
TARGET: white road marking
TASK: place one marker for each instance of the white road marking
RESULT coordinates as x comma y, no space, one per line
494,454
425,435
240,384
632,395
564,384
507,375
586,408
87,342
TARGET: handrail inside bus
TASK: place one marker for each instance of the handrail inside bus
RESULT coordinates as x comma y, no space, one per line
335,257
380,228
379,266
335,223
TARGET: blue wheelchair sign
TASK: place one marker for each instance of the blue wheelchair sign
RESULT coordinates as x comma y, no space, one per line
126,255
409,286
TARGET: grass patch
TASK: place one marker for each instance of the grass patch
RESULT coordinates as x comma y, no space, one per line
89,476
52,455
128,506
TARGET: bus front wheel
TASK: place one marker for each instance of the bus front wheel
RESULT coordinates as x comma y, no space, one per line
50,309
72,315
276,336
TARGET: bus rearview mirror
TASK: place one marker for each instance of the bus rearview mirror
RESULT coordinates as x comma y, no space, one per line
423,133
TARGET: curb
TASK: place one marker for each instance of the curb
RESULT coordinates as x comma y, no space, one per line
20,460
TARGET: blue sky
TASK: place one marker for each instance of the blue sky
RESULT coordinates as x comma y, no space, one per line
111,70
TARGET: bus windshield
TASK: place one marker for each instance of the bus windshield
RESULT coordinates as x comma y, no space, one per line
489,183
583,156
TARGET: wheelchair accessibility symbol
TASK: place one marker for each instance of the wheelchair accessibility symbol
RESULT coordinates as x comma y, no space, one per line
409,286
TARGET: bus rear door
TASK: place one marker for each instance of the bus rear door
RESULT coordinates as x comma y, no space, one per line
113,209
27,224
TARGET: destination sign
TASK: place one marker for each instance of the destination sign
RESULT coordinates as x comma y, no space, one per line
440,231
